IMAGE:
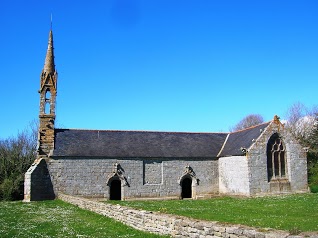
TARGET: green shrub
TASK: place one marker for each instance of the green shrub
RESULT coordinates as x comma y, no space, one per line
312,161
6,189
16,156
313,188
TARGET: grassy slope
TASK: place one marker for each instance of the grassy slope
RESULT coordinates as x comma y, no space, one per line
293,212
58,219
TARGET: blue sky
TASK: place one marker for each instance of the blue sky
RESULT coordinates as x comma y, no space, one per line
158,65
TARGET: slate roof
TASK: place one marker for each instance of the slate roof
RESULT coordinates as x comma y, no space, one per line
147,144
143,144
242,139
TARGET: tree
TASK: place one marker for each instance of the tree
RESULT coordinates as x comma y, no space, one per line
300,120
312,156
313,137
248,121
16,156
303,124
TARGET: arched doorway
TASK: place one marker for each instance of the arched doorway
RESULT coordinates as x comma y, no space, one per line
186,186
115,190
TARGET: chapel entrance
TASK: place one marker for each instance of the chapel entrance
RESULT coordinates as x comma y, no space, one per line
186,186
115,190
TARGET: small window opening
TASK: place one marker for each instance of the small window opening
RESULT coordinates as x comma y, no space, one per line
48,95
47,106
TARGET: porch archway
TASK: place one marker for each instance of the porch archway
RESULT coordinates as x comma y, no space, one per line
115,189
186,187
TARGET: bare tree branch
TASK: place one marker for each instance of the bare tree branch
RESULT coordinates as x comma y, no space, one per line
248,121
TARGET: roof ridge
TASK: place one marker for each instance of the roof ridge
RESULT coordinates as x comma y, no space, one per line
146,131
251,127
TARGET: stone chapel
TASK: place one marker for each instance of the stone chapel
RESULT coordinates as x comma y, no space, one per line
119,165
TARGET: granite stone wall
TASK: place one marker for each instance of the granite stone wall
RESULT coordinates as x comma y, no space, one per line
175,226
296,159
140,178
234,179
37,182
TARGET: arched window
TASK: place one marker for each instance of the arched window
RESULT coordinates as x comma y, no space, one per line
276,161
47,105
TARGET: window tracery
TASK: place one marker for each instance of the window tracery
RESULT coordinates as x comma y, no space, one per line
276,159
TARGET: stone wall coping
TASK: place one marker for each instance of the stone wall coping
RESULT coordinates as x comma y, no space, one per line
174,225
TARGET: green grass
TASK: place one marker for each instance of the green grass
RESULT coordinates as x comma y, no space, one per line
292,213
58,219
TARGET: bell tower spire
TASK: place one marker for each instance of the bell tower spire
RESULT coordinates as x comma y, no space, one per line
48,91
49,66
